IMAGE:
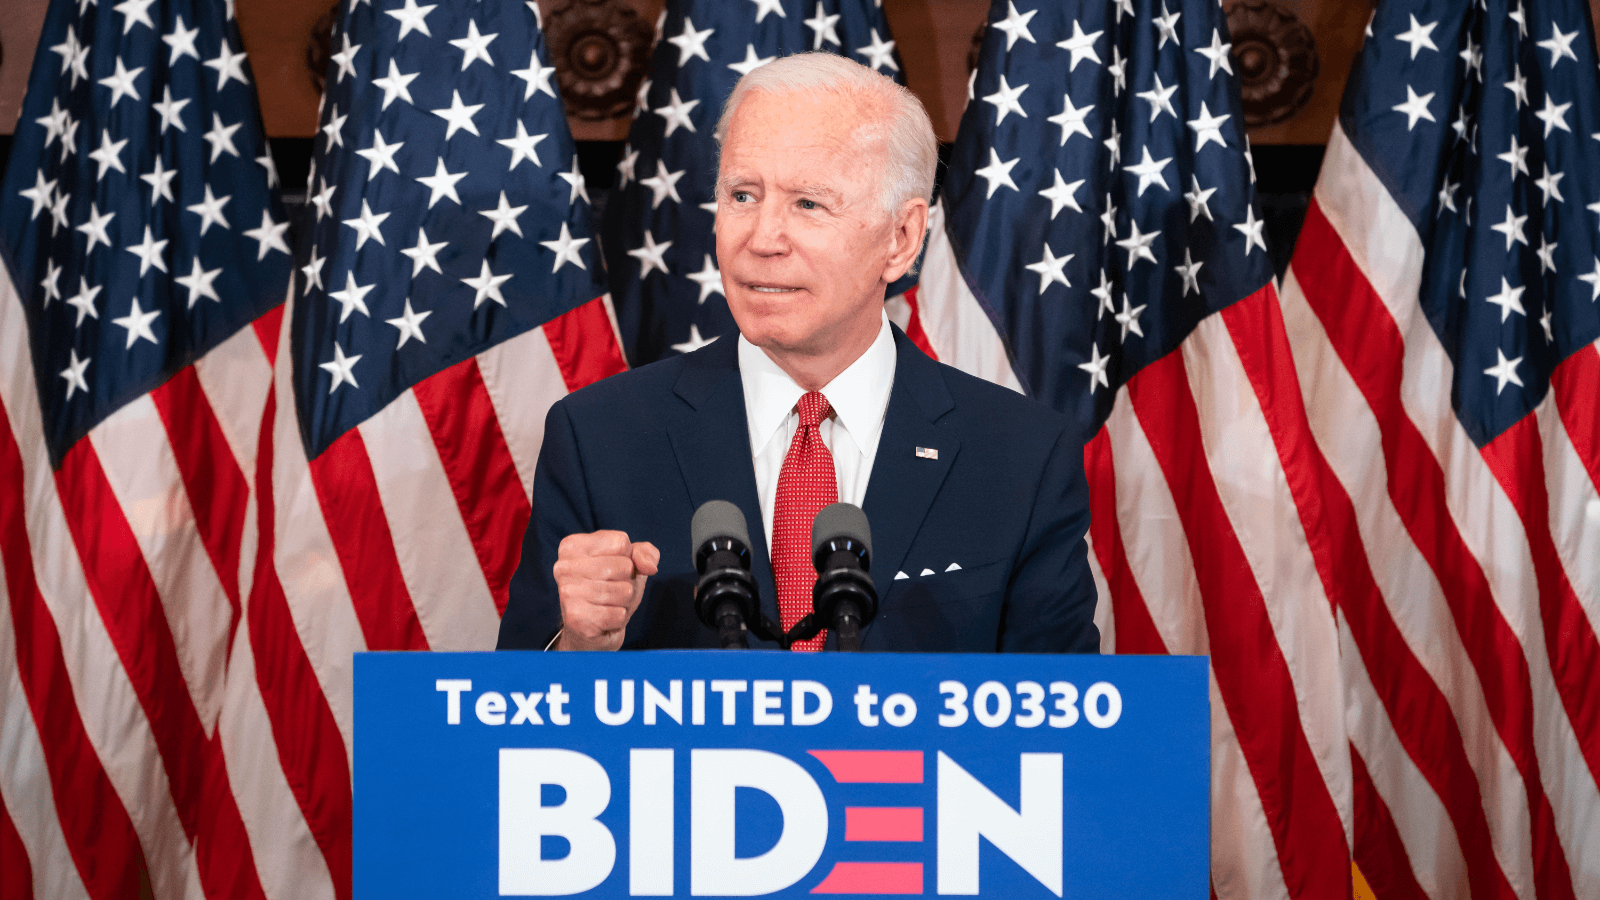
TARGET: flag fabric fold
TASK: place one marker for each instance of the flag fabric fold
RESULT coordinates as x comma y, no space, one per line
1442,308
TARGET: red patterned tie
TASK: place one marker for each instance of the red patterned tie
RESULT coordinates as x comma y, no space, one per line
805,485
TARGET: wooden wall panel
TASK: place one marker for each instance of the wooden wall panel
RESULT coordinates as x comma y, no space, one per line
20,25
934,38
277,34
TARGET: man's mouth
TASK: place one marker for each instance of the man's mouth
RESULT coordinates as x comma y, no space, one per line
771,288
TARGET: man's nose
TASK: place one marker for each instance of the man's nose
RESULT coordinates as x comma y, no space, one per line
771,234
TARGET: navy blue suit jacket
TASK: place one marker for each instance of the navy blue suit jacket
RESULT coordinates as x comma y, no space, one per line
1006,501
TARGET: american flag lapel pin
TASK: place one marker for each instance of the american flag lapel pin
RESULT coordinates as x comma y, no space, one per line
927,453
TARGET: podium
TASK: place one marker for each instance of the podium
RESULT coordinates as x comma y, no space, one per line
720,774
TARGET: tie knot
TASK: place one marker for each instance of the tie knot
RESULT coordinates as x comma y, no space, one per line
813,409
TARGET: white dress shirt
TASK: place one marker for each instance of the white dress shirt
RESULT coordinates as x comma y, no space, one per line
859,396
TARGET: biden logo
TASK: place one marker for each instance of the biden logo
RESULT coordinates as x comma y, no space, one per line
553,842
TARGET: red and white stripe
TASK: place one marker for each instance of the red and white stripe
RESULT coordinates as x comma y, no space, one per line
1468,578
1205,538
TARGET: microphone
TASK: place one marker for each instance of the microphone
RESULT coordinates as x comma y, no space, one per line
841,549
725,597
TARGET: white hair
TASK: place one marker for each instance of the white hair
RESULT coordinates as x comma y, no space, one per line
912,150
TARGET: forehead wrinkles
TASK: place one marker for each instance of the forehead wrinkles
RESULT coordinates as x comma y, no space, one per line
865,145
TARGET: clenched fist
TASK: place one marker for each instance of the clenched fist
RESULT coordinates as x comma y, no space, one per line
600,577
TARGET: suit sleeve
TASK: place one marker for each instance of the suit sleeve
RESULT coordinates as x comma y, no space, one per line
1051,598
560,507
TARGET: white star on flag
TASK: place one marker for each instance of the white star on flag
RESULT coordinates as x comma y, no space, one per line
1015,26
352,298
73,373
380,155
1418,37
504,216
1149,171
269,235
566,249
691,43
342,368
474,46
1208,128
1252,230
412,18
1504,371
1071,119
487,285
524,146
424,255
228,65
1050,268
149,253
200,282
440,184
459,116
1096,367
1005,101
1415,108
366,224
1509,300
1080,45
651,256
823,26
998,173
137,322
210,210
537,76
1062,195
676,113
708,278
410,325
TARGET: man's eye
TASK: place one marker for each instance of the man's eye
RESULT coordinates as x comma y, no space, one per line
808,204
741,196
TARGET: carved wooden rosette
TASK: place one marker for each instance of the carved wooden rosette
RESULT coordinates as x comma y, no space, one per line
1275,57
601,52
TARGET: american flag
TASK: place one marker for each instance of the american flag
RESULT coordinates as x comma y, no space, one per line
1443,305
447,294
142,239
659,246
1097,245
185,587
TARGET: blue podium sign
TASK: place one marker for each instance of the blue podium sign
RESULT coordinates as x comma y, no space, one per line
721,774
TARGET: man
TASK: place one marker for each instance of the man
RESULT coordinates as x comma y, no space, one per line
976,495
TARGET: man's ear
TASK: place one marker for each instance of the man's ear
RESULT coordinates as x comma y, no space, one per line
910,227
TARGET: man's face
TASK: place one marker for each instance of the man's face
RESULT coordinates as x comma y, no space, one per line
802,239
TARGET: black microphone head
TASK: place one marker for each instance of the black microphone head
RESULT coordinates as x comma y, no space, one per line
717,519
840,520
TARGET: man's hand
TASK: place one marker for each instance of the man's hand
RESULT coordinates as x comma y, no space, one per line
600,577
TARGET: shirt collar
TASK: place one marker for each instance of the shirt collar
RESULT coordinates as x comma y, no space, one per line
859,395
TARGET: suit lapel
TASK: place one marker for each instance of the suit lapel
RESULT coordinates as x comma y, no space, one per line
712,445
903,484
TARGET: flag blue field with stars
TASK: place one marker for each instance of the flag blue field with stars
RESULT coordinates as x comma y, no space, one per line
1100,193
659,245
1493,152
447,211
138,215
